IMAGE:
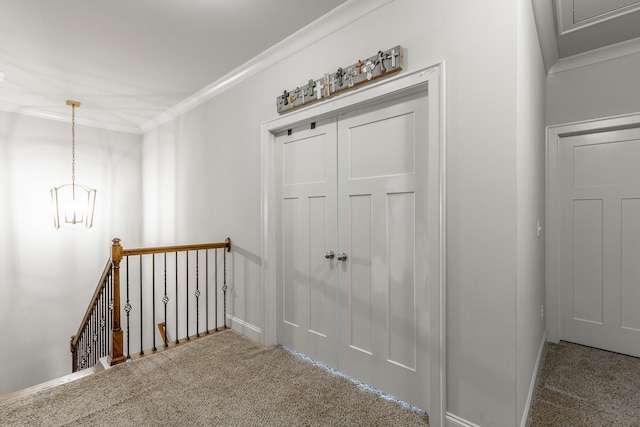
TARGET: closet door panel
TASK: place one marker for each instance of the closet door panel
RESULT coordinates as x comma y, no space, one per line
306,230
382,223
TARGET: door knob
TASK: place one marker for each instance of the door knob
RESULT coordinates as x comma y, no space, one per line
341,256
328,255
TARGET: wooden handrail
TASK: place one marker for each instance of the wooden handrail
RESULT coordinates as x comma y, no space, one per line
94,300
161,249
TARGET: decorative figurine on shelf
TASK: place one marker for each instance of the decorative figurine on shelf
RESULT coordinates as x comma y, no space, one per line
342,80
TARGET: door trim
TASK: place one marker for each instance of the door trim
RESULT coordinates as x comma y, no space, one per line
554,137
430,79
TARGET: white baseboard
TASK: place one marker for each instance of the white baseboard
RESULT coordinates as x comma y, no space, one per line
245,328
534,382
452,420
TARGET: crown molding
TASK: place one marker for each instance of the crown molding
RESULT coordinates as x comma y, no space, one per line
42,114
607,53
340,17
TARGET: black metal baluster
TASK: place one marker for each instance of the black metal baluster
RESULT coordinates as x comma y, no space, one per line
186,291
177,340
197,294
224,287
94,336
84,344
153,301
79,352
165,300
206,289
141,334
98,331
82,359
87,329
216,291
87,343
101,330
98,346
89,340
105,316
84,348
110,311
92,342
127,309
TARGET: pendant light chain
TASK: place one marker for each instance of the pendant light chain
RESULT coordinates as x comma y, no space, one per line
73,145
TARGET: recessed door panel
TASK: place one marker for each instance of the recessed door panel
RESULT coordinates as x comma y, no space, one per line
360,293
372,155
303,161
320,278
592,164
291,263
401,281
587,260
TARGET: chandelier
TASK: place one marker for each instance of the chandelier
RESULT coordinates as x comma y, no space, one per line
73,204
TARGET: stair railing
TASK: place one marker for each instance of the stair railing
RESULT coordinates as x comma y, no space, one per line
183,269
91,342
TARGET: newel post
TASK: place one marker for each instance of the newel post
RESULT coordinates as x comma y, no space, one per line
117,339
74,355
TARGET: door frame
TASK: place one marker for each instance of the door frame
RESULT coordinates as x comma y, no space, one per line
430,79
554,139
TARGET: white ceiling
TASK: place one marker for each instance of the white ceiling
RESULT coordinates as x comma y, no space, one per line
129,61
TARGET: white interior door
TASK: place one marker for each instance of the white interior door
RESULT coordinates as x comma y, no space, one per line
382,200
599,247
361,194
306,229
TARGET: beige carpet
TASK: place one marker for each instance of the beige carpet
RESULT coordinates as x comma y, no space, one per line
221,380
582,386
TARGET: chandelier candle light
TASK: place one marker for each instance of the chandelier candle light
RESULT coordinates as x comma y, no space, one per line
73,204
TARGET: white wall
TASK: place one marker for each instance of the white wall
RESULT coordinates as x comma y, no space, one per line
530,206
599,90
493,191
48,276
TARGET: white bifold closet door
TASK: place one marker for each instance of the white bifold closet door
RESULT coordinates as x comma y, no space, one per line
352,245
